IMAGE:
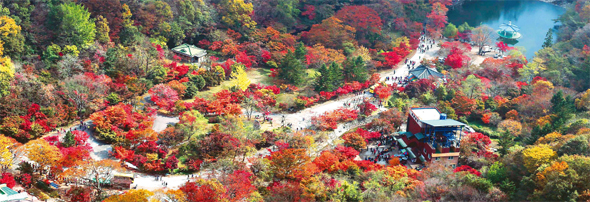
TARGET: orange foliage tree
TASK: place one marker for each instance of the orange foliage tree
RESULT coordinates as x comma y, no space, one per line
330,120
437,19
43,153
319,55
331,32
354,140
238,185
113,123
326,161
364,19
204,190
463,105
290,164
557,168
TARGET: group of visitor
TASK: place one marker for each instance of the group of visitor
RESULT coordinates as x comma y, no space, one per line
381,153
82,127
411,64
427,44
383,149
164,183
378,154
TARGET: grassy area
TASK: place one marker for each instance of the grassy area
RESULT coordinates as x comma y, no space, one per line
286,97
208,93
260,75
307,88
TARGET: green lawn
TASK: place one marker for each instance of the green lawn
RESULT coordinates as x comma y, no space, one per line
208,93
260,75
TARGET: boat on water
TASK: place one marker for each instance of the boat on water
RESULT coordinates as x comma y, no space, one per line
509,31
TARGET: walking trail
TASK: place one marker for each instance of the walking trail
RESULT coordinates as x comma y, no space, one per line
300,119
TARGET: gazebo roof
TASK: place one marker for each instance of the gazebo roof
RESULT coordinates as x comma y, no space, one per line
509,27
423,72
189,50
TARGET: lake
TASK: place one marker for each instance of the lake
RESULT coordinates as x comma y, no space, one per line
534,18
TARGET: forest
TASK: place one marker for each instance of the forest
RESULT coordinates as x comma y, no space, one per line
283,100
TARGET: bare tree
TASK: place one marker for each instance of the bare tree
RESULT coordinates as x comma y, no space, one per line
95,172
482,36
249,106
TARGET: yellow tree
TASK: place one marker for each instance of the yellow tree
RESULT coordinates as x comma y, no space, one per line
530,70
239,78
193,124
134,195
236,13
9,152
511,126
6,72
556,169
583,102
537,155
126,14
549,138
170,195
102,30
94,171
43,153
362,52
399,40
11,37
8,27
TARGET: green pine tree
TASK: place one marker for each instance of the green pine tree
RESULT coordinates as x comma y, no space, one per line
562,107
336,75
69,140
300,51
548,39
323,81
505,142
291,69
355,70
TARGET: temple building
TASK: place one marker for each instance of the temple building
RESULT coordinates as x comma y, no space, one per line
432,136
190,53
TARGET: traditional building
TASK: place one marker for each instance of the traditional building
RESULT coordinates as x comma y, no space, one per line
424,72
431,135
122,181
190,53
7,194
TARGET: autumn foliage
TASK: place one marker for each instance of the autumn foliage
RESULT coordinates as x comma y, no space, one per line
466,168
361,18
330,120
27,127
115,122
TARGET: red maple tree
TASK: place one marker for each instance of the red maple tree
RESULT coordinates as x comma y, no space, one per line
362,18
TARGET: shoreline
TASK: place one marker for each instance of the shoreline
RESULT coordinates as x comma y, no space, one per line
560,3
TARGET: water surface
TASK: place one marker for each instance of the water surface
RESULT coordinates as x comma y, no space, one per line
534,18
